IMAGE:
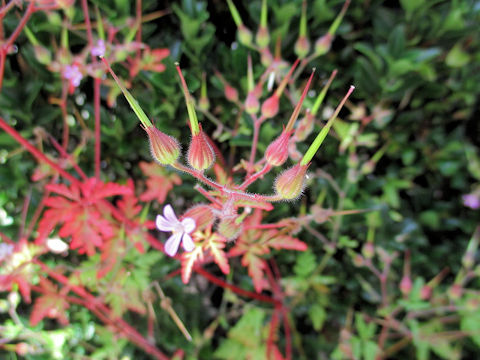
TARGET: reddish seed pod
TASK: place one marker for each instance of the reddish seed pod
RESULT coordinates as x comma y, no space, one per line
277,152
290,184
302,47
231,93
202,214
165,149
251,103
406,285
200,154
270,106
263,37
323,44
228,228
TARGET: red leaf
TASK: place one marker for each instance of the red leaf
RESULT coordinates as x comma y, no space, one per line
216,244
50,304
81,213
188,261
159,182
254,243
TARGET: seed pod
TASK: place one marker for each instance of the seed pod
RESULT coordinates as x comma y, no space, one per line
165,149
277,152
200,154
290,184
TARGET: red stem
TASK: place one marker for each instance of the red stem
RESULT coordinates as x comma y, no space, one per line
256,130
288,336
35,152
88,25
139,29
255,176
271,334
96,104
67,156
36,214
63,108
234,288
104,313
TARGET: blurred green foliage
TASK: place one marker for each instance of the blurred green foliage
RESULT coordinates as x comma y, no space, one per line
415,67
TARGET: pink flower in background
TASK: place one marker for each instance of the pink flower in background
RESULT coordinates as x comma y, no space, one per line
99,48
472,201
181,231
73,74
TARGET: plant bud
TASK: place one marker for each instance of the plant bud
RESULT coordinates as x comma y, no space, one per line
231,93
368,250
42,54
270,106
244,35
165,149
228,228
406,285
290,184
426,292
302,47
202,214
323,44
251,103
203,103
263,37
277,152
200,154
455,291
368,167
266,57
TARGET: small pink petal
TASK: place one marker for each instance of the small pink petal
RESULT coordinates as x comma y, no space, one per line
188,243
163,224
188,225
172,244
170,214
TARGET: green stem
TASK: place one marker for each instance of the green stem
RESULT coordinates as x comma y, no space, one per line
235,14
131,100
321,96
312,150
192,115
338,19
295,113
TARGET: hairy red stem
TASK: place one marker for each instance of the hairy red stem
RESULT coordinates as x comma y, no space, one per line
93,304
96,104
35,152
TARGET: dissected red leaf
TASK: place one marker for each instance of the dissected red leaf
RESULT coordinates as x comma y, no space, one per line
81,213
253,243
188,260
159,182
51,304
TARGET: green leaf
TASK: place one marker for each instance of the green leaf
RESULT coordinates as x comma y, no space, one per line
305,264
318,315
456,57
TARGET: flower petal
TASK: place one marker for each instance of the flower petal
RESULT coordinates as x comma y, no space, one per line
188,243
170,214
172,244
163,224
188,225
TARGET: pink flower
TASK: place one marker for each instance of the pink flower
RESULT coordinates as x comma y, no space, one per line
73,75
181,231
99,48
472,201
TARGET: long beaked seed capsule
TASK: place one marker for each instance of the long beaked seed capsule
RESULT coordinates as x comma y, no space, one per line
290,184
165,149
